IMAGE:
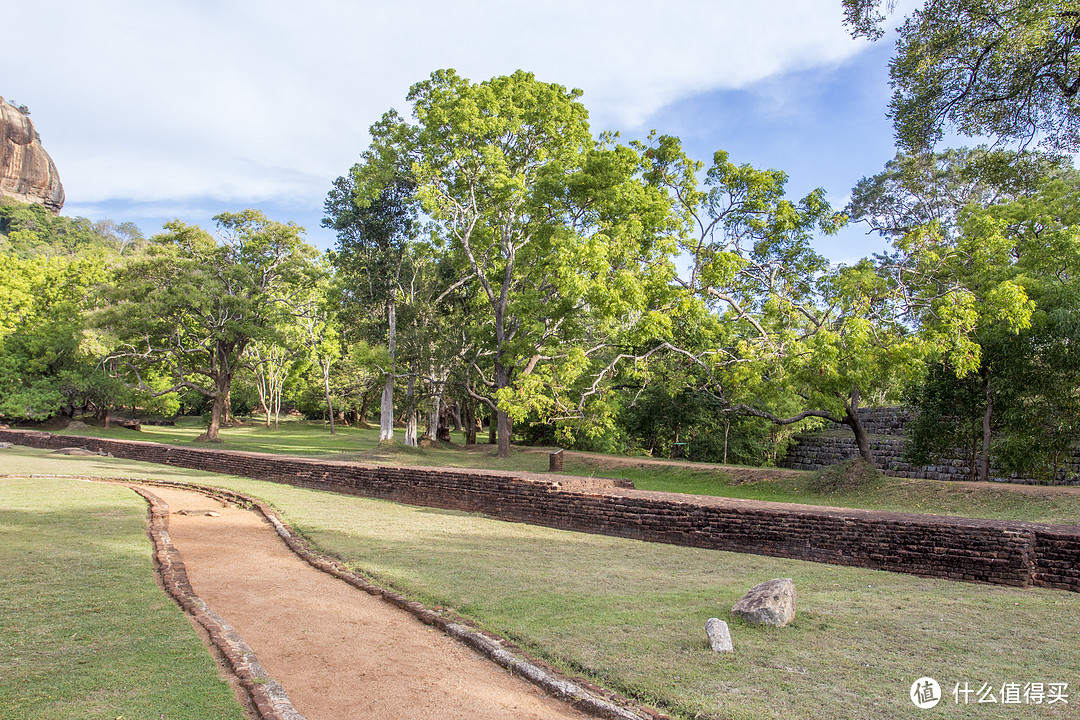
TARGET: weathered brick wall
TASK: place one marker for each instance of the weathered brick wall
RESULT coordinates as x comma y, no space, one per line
1019,554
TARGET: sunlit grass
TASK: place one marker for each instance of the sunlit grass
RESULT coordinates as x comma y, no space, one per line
85,632
631,614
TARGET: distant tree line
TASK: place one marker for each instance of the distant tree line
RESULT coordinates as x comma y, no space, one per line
497,264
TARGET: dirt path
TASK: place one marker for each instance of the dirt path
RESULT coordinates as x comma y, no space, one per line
340,653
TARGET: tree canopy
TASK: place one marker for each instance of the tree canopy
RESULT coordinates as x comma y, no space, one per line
1008,69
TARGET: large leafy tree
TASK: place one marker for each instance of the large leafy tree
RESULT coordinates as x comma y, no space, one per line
186,309
374,211
800,339
1008,69
546,226
1013,273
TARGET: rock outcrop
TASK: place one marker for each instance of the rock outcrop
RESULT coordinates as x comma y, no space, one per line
27,173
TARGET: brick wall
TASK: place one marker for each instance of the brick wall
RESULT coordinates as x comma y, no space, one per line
1006,553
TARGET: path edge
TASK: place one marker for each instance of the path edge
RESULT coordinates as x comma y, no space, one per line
265,694
269,698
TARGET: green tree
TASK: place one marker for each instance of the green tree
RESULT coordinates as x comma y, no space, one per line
1008,69
800,339
373,209
188,306
544,223
46,360
919,189
1011,273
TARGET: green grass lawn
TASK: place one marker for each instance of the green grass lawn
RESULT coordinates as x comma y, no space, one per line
883,493
631,615
85,632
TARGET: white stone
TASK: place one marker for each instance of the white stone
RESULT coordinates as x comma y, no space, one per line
719,635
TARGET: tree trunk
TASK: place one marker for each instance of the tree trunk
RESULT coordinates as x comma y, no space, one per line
470,422
433,418
326,389
386,412
361,418
855,423
984,468
727,429
502,380
506,429
493,429
217,412
455,413
410,413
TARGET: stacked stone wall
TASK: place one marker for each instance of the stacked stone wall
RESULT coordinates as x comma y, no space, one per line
887,426
1006,553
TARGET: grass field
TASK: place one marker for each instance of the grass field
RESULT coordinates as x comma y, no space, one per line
631,615
1054,505
85,632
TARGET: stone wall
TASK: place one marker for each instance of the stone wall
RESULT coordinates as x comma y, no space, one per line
1006,553
881,421
813,452
887,425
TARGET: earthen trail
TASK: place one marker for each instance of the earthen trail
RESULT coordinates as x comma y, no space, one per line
339,652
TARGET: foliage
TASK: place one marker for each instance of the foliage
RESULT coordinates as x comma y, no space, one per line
797,338
28,229
186,308
1001,68
920,189
555,232
1011,273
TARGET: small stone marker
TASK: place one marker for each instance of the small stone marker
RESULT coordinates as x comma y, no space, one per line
5,445
719,635
555,461
770,603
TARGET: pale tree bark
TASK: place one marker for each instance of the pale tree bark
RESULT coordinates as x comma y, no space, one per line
326,389
410,416
386,412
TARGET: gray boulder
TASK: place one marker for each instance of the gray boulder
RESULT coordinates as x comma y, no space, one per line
770,603
719,635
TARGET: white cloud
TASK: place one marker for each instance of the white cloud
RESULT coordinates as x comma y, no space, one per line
246,100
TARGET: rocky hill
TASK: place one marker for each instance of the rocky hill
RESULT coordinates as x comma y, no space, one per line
27,173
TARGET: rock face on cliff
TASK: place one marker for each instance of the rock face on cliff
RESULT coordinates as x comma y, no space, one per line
27,173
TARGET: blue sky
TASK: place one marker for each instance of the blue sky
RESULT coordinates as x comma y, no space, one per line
154,110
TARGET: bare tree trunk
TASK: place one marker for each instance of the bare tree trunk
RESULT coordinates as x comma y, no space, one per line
470,422
984,468
502,380
727,429
326,388
410,416
455,413
386,412
362,414
493,429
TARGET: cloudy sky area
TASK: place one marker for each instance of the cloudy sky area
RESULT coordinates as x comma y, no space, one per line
155,110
